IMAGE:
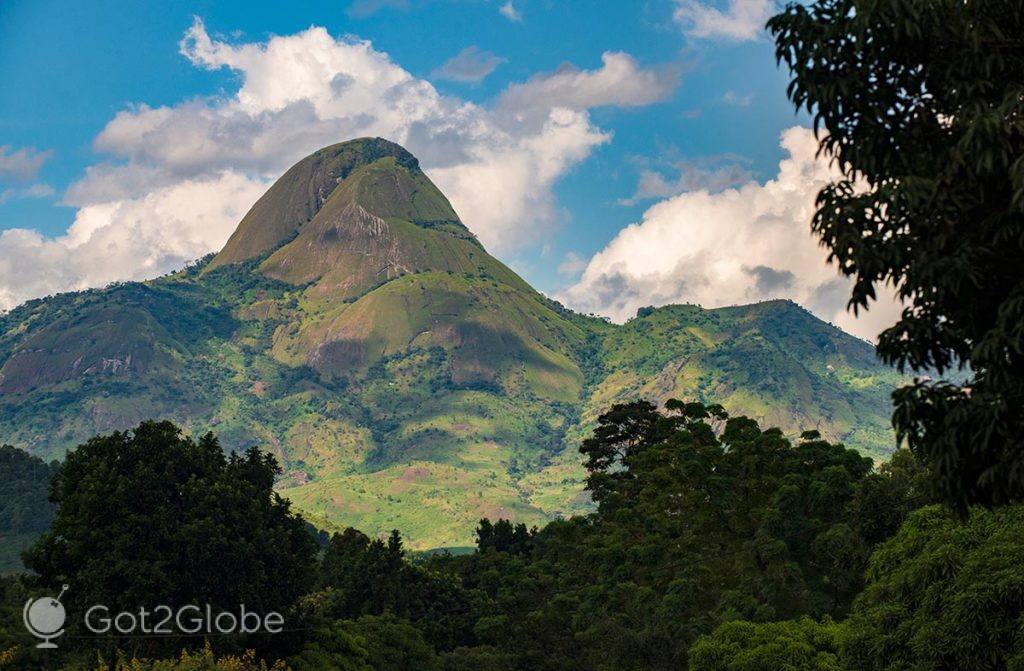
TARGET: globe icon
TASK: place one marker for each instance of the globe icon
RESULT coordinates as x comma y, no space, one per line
46,615
44,618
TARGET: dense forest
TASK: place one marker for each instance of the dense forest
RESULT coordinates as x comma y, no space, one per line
715,545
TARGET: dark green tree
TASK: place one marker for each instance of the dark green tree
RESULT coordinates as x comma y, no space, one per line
888,495
921,105
702,518
332,647
151,517
504,536
480,658
944,593
25,510
25,482
369,643
362,577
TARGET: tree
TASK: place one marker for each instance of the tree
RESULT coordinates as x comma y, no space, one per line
702,518
480,658
363,577
886,496
503,536
203,660
921,105
24,481
150,517
331,647
800,645
943,594
366,644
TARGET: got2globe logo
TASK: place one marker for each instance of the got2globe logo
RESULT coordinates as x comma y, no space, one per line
44,618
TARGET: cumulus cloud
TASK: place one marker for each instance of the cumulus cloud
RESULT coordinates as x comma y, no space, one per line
122,240
303,91
740,20
620,81
211,157
21,165
469,65
740,245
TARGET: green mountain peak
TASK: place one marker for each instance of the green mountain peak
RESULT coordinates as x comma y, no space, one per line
372,176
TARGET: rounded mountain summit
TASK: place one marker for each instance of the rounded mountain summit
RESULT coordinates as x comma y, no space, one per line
403,376
385,265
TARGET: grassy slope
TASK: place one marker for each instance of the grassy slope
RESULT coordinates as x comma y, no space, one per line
773,361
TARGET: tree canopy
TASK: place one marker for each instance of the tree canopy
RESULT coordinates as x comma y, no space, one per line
795,645
715,544
151,517
702,518
944,594
921,106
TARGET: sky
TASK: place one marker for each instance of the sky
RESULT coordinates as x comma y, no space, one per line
615,154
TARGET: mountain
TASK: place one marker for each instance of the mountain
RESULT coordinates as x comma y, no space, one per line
404,377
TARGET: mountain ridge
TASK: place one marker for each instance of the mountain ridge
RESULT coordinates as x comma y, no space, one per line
404,377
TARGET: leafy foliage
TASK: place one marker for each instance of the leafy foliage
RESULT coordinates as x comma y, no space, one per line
202,660
715,544
359,577
150,517
944,594
922,106
799,645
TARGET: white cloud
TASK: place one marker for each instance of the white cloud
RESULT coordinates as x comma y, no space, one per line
121,240
740,245
298,93
304,91
620,82
469,65
21,165
509,11
573,264
740,20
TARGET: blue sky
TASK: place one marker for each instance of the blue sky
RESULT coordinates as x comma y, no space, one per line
669,117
